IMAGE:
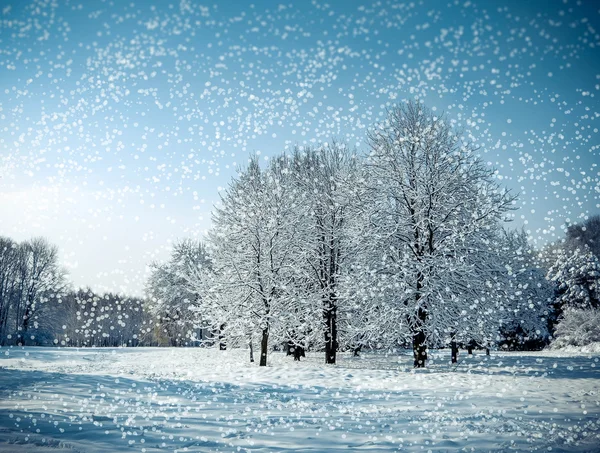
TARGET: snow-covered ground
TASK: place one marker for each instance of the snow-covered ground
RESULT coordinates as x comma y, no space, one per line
200,400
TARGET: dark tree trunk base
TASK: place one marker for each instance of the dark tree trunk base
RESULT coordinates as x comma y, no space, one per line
222,344
454,348
264,342
419,350
330,357
331,342
298,352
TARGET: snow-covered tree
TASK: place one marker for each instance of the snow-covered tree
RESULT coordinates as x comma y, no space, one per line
254,244
577,275
432,207
42,278
529,295
585,234
175,291
326,181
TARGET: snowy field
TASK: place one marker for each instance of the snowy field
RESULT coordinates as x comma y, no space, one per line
198,400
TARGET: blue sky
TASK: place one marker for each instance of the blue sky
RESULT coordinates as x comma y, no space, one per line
121,121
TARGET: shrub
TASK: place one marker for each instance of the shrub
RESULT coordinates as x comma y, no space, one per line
577,327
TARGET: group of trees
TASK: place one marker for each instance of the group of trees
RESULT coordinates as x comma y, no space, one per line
173,294
322,248
84,318
30,277
39,307
327,249
574,267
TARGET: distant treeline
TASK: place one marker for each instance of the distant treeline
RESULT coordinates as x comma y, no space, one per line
38,306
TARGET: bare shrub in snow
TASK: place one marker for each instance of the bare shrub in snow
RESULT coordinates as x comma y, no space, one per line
577,327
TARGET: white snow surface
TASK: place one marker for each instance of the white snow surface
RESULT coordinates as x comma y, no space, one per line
593,348
205,400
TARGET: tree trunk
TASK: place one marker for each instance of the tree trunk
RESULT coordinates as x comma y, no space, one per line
251,350
470,348
3,323
330,315
222,344
454,348
264,342
419,346
298,352
487,351
25,323
419,349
